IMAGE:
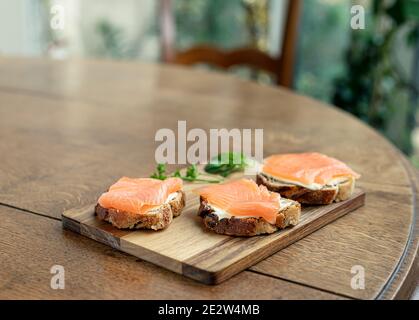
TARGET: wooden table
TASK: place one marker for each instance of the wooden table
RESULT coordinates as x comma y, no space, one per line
69,129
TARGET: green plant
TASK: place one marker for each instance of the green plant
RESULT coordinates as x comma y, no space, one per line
227,163
192,174
216,22
322,39
112,40
374,89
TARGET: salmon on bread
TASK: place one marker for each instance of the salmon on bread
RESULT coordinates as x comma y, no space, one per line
242,208
137,203
309,178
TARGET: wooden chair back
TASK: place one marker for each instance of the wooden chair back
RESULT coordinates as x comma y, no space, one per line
281,67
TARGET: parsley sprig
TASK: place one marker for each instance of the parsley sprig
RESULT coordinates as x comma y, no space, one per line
191,175
224,164
227,163
160,172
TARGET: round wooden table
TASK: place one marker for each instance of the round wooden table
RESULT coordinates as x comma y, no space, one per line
70,128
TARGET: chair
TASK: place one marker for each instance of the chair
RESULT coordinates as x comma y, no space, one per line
282,67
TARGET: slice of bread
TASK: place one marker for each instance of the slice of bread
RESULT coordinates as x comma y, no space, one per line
155,219
247,227
326,195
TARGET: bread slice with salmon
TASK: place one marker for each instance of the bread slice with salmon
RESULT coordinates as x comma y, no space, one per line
242,208
309,178
142,203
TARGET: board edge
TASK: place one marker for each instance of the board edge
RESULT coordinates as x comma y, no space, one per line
218,276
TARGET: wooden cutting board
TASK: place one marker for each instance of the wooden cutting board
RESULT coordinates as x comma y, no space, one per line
186,248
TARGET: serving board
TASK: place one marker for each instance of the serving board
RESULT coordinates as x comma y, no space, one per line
186,248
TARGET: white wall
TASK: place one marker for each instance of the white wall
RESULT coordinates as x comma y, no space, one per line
19,32
24,26
277,18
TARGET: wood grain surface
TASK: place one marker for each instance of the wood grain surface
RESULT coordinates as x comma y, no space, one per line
31,245
68,128
185,247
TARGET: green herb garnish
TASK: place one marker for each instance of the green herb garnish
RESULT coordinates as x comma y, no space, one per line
227,163
191,175
160,172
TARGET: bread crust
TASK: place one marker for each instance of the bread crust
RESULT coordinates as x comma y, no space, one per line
327,195
247,227
155,219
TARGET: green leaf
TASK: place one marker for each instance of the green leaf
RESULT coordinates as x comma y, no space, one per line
413,36
192,172
192,175
177,174
160,172
411,9
397,13
226,163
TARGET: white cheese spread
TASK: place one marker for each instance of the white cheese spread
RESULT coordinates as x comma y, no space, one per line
222,214
171,197
311,186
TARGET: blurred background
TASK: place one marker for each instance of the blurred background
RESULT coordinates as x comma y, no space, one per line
307,45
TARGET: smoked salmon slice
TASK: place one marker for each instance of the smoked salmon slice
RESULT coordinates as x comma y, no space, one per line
306,168
243,198
138,195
